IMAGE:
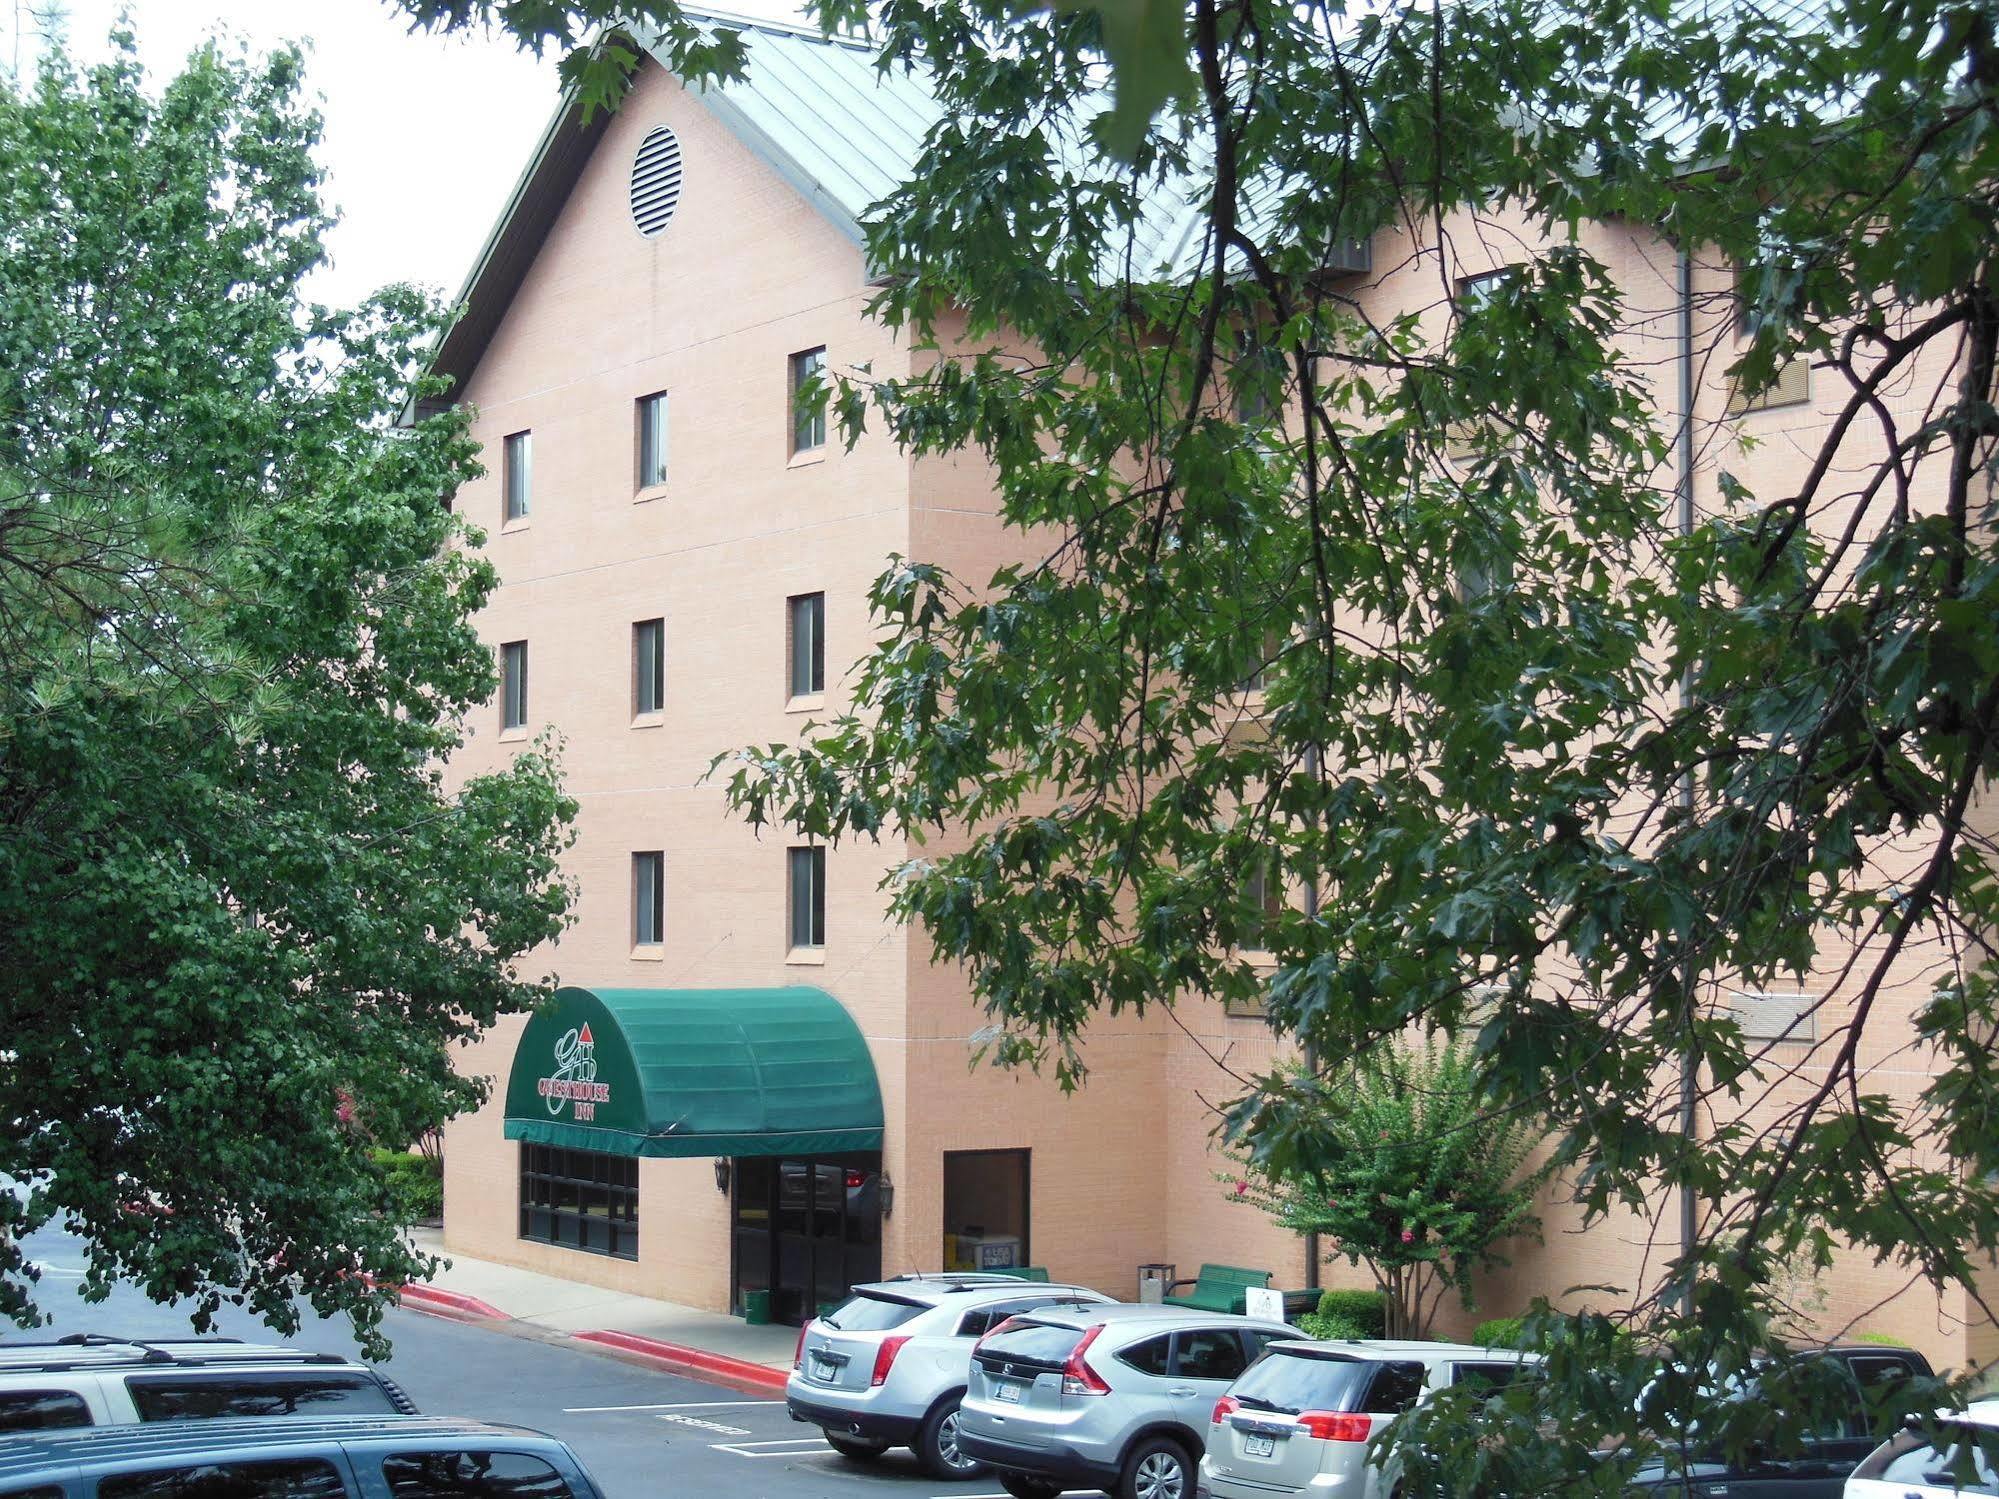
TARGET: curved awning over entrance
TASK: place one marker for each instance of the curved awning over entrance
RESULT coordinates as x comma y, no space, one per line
695,1072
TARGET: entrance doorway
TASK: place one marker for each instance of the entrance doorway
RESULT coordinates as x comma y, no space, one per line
806,1229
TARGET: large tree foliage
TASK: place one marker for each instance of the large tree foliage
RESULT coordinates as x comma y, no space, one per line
245,919
1540,765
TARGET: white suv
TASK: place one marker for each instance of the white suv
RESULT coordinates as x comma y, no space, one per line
1302,1419
887,1367
1911,1466
87,1380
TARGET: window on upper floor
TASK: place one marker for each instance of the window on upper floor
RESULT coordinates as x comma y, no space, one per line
808,897
1791,385
514,685
652,439
1266,897
648,666
807,643
517,473
808,401
648,899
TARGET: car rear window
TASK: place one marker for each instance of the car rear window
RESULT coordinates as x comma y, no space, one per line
1289,1381
38,1410
1043,1343
871,1311
205,1397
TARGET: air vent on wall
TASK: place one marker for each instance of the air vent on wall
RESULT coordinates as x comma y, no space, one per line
656,181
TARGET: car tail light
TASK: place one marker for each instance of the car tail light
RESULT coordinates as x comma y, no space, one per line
1225,1407
1335,1426
885,1357
1078,1378
854,1179
798,1353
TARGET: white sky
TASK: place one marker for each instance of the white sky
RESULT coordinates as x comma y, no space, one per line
425,135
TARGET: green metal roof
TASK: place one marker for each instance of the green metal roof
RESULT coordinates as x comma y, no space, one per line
695,1072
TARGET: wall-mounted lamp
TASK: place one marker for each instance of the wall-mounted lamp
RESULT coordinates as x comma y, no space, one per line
887,1194
722,1174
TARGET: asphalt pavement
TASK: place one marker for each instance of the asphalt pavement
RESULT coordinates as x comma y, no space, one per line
642,1433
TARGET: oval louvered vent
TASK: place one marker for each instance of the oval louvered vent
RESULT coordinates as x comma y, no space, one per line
656,181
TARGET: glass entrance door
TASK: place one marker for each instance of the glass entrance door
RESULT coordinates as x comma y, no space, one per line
806,1229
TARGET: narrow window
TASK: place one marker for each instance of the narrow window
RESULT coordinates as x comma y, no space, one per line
648,666
808,401
808,897
652,440
514,685
808,644
517,468
1266,896
1270,644
648,899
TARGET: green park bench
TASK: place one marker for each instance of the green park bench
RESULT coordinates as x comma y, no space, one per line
1218,1288
1025,1272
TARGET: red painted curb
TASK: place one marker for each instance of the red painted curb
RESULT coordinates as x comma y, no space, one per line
440,1302
758,1378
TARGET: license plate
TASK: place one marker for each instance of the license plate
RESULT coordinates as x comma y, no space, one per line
825,1370
1258,1446
1007,1393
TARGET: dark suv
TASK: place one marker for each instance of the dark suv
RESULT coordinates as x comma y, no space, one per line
99,1381
1816,1470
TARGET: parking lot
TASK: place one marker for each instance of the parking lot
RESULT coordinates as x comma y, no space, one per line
643,1434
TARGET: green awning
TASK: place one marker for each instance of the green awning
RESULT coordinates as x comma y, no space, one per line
695,1072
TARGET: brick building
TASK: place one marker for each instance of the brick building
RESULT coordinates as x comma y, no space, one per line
755,1083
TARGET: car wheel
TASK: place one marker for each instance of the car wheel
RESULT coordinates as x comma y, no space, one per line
937,1451
1157,1468
854,1450
1027,1486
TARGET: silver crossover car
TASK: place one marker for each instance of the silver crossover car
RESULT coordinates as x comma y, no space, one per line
887,1367
1104,1397
1304,1421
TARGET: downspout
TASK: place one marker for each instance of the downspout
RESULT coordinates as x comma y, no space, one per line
1684,488
1311,1056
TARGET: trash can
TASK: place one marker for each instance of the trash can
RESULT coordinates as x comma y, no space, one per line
1153,1281
756,1308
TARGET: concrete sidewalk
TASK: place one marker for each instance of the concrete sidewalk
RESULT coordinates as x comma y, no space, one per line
705,1344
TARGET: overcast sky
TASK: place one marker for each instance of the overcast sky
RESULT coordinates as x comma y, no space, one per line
425,135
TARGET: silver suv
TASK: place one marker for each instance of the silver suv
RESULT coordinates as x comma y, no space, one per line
1106,1397
1304,1421
88,1380
887,1367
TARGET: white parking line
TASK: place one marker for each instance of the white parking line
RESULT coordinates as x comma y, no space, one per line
683,1405
792,1447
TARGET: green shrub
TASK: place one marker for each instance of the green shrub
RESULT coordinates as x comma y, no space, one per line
1500,1332
1882,1338
416,1183
1364,1310
1312,1325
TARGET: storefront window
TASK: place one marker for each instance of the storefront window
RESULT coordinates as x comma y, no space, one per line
985,1209
580,1199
